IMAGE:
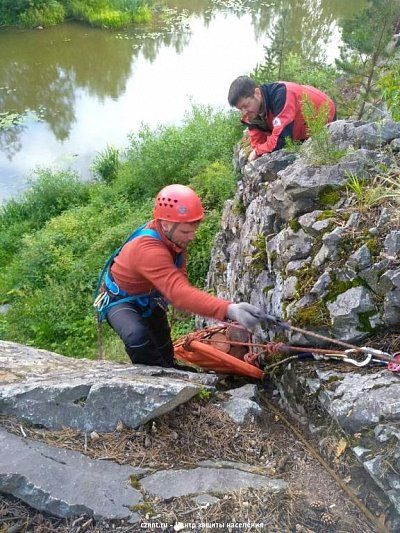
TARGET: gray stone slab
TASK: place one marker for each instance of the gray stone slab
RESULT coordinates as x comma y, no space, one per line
55,391
241,405
27,363
168,484
65,483
241,410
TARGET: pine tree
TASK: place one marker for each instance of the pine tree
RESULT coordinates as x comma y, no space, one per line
365,39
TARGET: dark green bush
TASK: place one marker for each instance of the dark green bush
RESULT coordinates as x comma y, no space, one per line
50,194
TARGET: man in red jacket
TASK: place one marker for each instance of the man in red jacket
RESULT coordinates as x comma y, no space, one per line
273,111
149,271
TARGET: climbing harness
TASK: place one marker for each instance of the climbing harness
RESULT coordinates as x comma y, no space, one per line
108,293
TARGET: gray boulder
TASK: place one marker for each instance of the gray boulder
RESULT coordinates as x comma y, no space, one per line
350,314
392,243
241,405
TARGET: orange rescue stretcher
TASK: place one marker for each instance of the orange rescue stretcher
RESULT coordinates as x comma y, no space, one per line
223,349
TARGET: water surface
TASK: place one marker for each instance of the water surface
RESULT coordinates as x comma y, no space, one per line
71,90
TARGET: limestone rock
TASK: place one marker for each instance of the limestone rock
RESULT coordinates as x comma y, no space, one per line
55,391
360,259
345,314
392,243
391,307
347,133
167,484
65,483
241,406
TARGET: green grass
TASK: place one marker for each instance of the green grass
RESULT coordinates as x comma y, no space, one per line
109,14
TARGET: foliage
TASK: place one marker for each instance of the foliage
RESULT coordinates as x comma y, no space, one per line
389,84
56,238
384,186
98,13
215,184
291,146
47,15
111,14
106,164
172,154
200,249
365,37
300,70
50,194
319,150
181,324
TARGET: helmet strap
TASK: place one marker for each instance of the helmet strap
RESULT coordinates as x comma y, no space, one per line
169,234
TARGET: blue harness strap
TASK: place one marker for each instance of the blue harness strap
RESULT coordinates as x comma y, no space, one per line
108,293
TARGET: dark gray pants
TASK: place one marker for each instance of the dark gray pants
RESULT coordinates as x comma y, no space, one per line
147,339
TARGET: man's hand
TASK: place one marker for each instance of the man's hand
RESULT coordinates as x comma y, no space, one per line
246,314
252,156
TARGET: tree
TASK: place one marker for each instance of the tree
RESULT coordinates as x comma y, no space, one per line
365,39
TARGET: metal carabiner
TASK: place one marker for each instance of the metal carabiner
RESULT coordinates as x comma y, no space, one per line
357,363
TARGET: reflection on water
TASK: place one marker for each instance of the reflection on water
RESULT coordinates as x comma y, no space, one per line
79,89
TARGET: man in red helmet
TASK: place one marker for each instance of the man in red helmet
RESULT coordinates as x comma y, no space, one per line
149,271
273,111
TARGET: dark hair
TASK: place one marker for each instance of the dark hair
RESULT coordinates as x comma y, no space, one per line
242,87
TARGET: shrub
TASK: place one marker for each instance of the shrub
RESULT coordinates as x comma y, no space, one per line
173,154
50,194
47,15
112,14
215,184
200,249
319,150
106,165
389,85
142,14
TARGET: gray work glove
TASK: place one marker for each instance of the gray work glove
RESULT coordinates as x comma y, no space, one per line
246,314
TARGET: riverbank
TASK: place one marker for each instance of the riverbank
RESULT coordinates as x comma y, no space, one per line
109,14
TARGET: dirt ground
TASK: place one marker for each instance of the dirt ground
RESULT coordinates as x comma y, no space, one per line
197,431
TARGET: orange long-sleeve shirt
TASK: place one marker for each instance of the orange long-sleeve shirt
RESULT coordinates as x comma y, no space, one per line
146,263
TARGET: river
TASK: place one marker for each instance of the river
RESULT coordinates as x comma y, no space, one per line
69,91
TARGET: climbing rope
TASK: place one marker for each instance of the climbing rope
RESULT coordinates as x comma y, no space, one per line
219,339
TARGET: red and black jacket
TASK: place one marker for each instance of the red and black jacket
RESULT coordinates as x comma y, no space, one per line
283,115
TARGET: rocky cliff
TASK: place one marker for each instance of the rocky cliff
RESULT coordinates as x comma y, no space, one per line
318,245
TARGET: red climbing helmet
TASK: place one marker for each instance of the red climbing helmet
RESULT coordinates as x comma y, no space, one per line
178,203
